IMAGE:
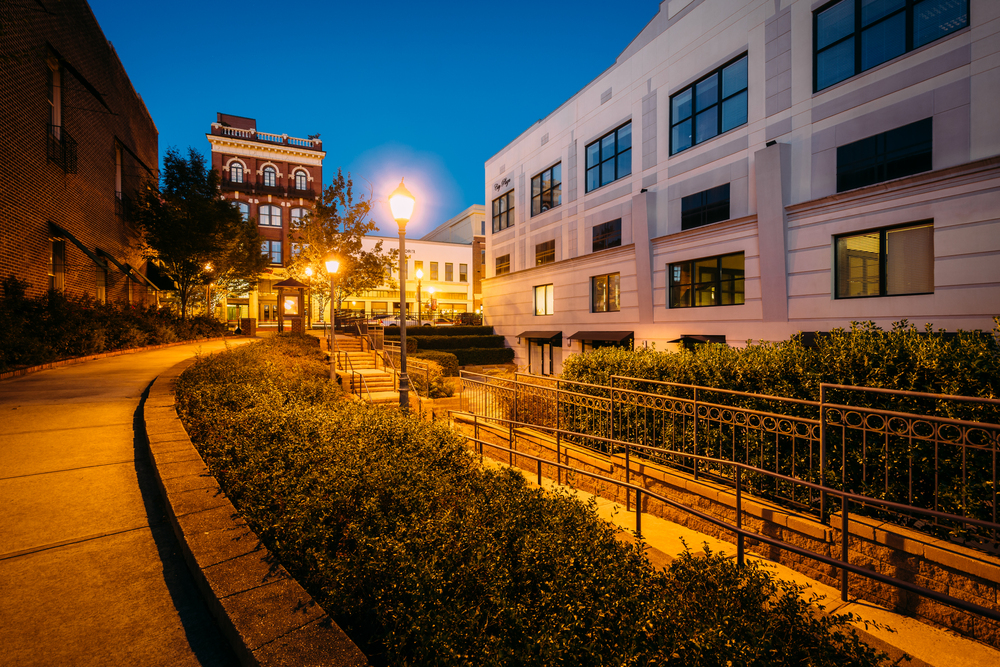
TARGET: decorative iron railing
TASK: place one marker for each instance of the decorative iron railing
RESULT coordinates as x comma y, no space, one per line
61,148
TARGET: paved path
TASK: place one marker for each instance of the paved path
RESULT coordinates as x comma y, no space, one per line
90,571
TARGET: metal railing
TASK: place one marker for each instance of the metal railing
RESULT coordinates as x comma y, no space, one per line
357,380
414,366
737,472
61,148
885,444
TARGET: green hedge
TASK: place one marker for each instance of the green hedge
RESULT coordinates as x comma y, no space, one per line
426,558
440,331
484,356
447,360
40,330
455,342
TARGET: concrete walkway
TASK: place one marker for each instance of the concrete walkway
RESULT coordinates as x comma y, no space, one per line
90,571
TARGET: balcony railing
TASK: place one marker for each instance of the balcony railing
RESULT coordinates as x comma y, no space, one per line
278,190
61,148
123,206
304,194
253,135
239,186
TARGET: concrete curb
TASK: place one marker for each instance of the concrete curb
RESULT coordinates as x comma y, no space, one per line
20,372
268,618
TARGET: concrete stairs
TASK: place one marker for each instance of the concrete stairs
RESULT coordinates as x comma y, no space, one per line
358,375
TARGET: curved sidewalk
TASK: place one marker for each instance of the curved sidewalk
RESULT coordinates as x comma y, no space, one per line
90,570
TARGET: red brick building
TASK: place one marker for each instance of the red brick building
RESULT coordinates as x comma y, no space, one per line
76,142
274,178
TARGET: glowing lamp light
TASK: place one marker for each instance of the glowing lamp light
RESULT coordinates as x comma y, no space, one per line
289,305
420,274
309,271
401,204
332,265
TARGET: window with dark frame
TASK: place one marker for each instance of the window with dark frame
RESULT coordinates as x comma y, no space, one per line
503,264
434,270
463,273
270,176
301,180
236,172
710,281
710,106
901,152
449,271
851,36
892,261
544,300
607,235
270,216
545,252
273,251
546,190
610,157
605,293
244,210
503,211
705,207
297,215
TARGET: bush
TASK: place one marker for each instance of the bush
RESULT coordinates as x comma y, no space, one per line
426,558
485,356
393,332
447,360
455,342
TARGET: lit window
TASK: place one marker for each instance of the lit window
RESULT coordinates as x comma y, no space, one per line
273,251
546,190
301,180
544,300
610,157
270,216
712,281
503,211
886,262
270,176
297,215
503,264
236,172
705,208
545,252
605,292
715,104
897,153
463,273
607,235
852,36
244,210
417,266
434,270
449,271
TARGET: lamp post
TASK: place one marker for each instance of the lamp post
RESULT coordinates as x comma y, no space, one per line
309,298
420,303
331,267
401,203
208,291
432,304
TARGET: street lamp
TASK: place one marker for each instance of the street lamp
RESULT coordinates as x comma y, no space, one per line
331,267
309,299
431,290
208,290
401,203
420,315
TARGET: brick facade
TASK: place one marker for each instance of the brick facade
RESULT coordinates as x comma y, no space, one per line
59,186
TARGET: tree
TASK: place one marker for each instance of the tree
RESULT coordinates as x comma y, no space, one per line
338,224
197,236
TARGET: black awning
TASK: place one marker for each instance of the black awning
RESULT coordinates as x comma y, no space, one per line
691,339
62,233
163,283
145,279
124,268
553,337
611,336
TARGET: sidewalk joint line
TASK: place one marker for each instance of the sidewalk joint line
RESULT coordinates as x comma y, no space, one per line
52,472
76,540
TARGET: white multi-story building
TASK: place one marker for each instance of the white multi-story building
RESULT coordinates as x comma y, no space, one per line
751,169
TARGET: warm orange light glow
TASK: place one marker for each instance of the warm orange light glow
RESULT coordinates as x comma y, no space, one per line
309,271
332,264
420,274
401,203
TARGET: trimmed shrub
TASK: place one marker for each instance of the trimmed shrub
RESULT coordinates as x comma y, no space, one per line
455,342
447,360
393,332
426,558
485,356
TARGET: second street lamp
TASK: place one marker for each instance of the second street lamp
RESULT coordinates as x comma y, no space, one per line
331,267
401,203
420,311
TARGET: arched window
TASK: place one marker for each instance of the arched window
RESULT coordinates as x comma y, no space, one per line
244,210
236,172
298,214
301,180
270,216
270,176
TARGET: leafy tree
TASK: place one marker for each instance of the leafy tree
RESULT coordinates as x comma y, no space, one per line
338,224
198,236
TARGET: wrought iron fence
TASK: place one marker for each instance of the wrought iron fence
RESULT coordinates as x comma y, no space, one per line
883,444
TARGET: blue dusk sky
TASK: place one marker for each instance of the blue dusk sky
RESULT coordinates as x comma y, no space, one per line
425,90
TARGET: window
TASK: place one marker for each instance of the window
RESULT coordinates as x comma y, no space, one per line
244,210
270,216
604,293
544,300
301,180
55,96
273,251
886,262
434,270
610,157
546,190
503,211
705,208
852,36
463,273
236,172
270,176
712,281
545,252
297,215
901,152
608,235
296,249
482,228
713,105
418,266
449,271
57,265
503,264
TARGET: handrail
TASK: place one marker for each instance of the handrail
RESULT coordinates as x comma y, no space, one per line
843,563
353,374
418,365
